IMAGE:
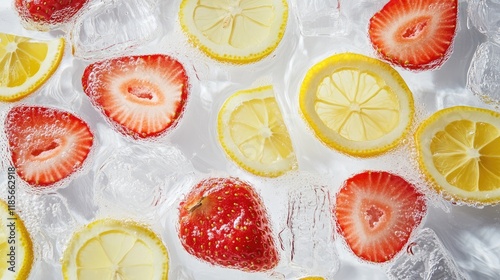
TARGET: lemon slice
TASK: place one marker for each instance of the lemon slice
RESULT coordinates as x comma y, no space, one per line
16,248
358,105
312,278
253,134
113,249
459,151
26,64
240,31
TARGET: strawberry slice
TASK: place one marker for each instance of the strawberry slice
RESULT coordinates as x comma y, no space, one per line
224,222
46,144
415,34
376,214
142,96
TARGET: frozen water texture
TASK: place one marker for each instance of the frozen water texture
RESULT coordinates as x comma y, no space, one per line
112,27
483,78
308,238
319,17
139,180
49,221
485,16
425,258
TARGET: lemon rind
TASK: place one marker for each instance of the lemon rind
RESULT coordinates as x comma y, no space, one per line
276,170
329,137
441,186
76,242
230,58
14,94
26,244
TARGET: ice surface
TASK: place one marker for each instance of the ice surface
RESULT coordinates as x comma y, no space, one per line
309,236
425,258
485,16
140,180
49,221
111,27
319,17
483,78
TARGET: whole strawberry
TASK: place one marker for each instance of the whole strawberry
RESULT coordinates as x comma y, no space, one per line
46,14
223,221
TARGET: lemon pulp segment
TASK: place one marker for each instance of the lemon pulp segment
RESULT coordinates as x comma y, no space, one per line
459,150
356,104
237,31
15,246
26,64
113,249
253,134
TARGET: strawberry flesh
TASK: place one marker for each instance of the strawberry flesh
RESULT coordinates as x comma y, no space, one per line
47,145
48,12
223,221
142,96
376,214
415,34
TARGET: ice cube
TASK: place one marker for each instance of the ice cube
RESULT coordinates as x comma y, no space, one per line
110,28
485,16
319,17
483,77
309,236
48,220
425,258
140,179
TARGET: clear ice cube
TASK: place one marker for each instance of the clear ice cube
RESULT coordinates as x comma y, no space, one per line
483,77
425,258
485,16
48,220
139,180
112,27
319,17
309,236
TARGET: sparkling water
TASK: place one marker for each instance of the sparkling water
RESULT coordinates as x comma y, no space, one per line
145,181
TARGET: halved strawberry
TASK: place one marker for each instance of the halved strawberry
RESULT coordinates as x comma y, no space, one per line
224,222
46,144
376,213
415,34
143,96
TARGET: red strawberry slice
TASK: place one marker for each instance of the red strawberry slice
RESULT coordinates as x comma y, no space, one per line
376,214
48,12
415,34
46,144
224,222
143,96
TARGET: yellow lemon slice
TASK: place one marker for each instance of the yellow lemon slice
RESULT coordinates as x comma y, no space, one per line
25,64
312,278
240,31
358,105
253,134
113,250
16,248
459,151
